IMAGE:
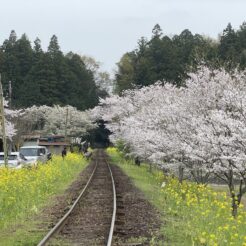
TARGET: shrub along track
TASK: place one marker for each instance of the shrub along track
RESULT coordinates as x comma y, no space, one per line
89,225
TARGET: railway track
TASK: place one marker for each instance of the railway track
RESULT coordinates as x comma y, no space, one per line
91,218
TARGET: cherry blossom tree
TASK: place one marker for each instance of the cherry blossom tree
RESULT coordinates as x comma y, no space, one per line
200,128
220,110
10,117
57,120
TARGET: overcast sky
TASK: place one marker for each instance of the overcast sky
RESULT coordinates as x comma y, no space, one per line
106,29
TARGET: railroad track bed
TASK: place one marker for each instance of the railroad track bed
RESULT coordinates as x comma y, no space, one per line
90,222
136,219
61,203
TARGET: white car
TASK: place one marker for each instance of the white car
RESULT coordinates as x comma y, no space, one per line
15,160
35,153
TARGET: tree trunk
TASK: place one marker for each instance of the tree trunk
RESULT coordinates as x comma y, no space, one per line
150,167
234,206
181,174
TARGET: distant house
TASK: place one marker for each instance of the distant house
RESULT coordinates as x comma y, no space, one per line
54,143
31,139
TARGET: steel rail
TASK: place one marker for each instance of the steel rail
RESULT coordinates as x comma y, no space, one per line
62,221
111,232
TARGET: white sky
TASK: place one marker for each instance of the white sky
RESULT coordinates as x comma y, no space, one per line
106,29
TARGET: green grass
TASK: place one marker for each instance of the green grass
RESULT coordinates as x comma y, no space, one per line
24,193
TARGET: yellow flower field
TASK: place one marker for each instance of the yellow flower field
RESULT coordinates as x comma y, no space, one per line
208,213
23,191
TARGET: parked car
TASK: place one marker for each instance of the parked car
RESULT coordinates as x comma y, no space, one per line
36,153
15,160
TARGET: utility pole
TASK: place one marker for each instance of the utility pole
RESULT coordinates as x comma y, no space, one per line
5,149
66,121
10,94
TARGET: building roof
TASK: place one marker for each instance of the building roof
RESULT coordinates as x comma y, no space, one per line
31,136
53,136
31,147
53,143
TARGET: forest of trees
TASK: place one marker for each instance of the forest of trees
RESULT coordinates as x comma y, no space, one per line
51,77
45,78
171,58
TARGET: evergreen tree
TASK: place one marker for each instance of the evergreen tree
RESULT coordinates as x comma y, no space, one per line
242,40
157,31
45,78
172,58
37,46
54,48
24,56
84,86
229,47
125,74
12,38
10,66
